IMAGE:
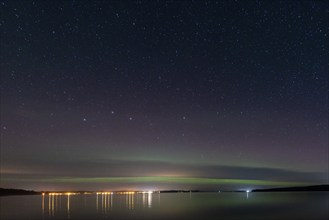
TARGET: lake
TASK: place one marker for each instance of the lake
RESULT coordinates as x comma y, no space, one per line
256,205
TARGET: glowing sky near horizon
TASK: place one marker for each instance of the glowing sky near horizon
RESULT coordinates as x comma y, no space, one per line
183,94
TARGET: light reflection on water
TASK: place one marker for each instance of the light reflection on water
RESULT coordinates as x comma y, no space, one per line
51,204
167,206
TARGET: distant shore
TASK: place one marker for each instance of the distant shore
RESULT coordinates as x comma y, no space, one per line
316,188
17,192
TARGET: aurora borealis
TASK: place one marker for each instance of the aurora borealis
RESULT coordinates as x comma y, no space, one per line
106,95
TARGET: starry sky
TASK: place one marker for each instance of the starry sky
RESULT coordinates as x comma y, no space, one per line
163,94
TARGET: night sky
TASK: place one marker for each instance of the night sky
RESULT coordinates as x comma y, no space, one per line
108,95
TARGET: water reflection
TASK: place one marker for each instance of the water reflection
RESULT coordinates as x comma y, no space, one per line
54,204
130,201
51,203
135,205
43,205
68,205
149,200
106,202
247,192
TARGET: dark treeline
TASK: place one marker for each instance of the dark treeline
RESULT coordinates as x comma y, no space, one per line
295,189
13,192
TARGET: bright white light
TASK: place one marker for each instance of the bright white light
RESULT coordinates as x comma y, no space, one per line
247,191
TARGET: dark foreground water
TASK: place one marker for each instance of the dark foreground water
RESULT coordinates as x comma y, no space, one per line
297,205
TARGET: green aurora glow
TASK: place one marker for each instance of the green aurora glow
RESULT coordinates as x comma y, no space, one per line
160,179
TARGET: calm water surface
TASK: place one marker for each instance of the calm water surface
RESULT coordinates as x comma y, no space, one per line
298,205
